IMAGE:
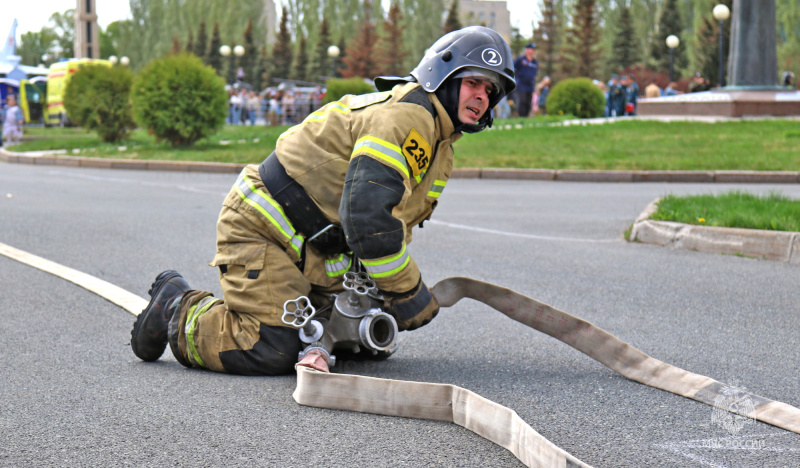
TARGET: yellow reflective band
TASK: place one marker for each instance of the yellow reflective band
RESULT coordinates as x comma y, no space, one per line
338,266
382,150
191,324
437,188
388,266
269,208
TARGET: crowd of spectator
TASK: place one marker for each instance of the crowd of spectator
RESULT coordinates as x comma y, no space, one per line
282,105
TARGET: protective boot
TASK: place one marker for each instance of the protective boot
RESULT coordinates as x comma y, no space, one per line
149,334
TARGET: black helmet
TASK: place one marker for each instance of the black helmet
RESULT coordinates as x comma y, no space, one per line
473,47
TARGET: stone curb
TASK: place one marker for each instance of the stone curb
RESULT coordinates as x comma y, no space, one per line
60,158
780,246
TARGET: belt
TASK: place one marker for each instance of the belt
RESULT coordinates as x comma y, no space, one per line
301,210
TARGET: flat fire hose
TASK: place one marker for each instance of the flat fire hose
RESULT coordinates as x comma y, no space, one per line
454,404
502,425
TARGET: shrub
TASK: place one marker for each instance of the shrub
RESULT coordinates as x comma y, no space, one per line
179,100
337,88
576,96
97,98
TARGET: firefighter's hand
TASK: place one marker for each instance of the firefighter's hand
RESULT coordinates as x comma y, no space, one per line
414,308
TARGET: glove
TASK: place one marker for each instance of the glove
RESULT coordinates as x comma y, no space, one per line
412,309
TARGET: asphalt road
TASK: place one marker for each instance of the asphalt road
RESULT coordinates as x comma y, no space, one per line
73,394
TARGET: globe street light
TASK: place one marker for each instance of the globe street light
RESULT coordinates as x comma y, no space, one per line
125,61
113,59
333,53
721,13
238,51
225,50
672,43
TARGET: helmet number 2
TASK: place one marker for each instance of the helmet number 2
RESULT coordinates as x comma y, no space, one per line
491,57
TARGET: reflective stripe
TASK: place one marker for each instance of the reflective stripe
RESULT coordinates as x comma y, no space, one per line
269,208
388,266
338,266
192,315
382,150
318,116
436,189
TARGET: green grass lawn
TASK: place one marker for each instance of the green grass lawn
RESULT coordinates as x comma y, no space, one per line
538,143
774,212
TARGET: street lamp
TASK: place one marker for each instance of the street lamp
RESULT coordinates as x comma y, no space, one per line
125,61
721,13
225,50
113,59
238,51
333,53
672,43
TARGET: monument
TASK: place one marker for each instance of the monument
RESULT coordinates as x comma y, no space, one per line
87,43
752,73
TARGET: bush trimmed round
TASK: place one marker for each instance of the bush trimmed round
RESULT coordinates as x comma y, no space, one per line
97,98
578,97
179,100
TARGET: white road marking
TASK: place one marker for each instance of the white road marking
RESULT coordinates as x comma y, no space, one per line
524,236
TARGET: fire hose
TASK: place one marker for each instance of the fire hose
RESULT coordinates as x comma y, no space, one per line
502,425
447,402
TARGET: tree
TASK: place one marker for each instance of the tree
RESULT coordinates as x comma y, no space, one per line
550,30
190,43
282,50
390,55
213,57
625,51
787,18
202,41
669,23
582,48
518,41
451,23
321,66
422,26
64,28
359,59
250,57
706,43
261,71
300,61
34,45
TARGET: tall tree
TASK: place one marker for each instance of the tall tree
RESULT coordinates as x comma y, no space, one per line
63,24
300,61
320,66
422,26
261,72
33,45
201,44
625,50
250,57
669,23
282,49
452,23
550,40
390,54
213,57
190,42
359,61
581,48
787,19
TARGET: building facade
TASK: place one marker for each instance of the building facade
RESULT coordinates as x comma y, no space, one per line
490,13
87,42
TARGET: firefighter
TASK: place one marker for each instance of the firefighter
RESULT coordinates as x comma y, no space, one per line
341,191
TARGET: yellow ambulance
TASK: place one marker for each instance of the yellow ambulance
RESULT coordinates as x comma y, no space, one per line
57,79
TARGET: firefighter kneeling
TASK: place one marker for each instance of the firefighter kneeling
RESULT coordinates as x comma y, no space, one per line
340,193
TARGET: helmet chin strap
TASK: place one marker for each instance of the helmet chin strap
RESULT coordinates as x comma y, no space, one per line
448,95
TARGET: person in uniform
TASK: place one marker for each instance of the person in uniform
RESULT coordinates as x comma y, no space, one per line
341,192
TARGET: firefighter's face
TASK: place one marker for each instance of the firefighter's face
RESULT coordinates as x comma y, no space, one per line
473,100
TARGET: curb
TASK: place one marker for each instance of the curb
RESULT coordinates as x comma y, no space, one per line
779,246
60,158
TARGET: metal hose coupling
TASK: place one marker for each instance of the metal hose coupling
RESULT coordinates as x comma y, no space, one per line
356,322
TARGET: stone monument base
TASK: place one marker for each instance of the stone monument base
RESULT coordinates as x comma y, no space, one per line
727,102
